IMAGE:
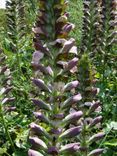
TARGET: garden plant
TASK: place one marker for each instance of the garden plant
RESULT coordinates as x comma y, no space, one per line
58,78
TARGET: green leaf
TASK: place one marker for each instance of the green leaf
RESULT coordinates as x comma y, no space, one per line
112,142
3,151
112,125
19,153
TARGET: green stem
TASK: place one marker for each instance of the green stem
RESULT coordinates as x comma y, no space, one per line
6,128
7,154
19,71
84,142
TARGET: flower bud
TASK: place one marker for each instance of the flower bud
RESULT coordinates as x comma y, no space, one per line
39,130
94,106
36,142
72,117
72,132
41,48
68,27
71,85
37,56
49,70
42,68
37,30
96,152
5,90
7,80
10,109
7,100
41,117
95,121
71,100
62,19
67,46
39,83
34,153
97,137
72,63
42,104
70,148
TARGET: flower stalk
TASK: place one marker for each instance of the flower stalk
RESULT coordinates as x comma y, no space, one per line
63,114
89,106
54,61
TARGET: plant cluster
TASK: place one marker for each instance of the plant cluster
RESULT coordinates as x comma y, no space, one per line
99,27
60,100
16,25
99,40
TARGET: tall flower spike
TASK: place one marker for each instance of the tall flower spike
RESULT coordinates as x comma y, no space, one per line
11,23
5,96
110,22
110,26
90,108
21,24
58,27
54,62
98,35
88,26
16,24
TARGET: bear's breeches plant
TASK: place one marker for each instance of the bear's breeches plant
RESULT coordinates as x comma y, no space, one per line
60,113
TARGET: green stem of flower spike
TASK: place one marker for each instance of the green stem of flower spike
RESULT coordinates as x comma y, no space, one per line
84,140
